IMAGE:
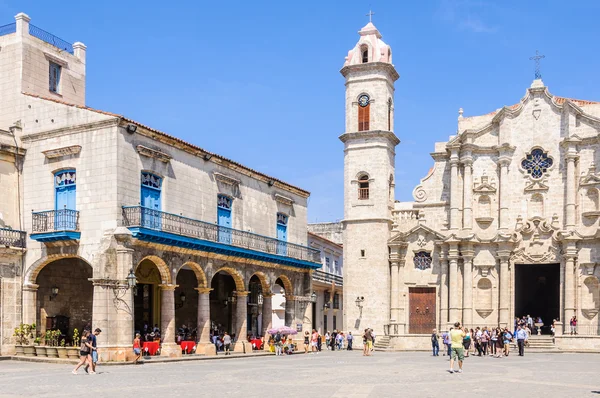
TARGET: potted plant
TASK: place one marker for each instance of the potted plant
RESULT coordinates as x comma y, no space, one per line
73,352
51,350
28,349
40,350
62,350
19,338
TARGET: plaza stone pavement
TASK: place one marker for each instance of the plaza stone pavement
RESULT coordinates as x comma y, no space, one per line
337,374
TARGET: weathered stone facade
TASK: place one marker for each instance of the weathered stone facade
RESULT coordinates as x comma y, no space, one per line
107,227
509,209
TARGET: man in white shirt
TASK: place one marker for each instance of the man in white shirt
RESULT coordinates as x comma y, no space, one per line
521,336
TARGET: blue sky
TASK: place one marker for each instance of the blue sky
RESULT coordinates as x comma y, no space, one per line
259,82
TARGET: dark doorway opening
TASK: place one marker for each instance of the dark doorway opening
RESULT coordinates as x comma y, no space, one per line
537,292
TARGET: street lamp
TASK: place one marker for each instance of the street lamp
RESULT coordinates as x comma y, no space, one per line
131,279
359,303
313,297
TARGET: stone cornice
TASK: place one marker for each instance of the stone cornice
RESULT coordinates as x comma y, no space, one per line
371,67
370,134
153,153
79,128
64,151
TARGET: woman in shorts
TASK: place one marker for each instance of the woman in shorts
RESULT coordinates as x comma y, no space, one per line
137,348
315,341
306,341
84,352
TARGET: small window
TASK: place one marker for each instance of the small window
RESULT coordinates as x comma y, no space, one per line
365,54
363,187
327,264
54,80
336,265
224,202
362,253
422,260
336,301
282,219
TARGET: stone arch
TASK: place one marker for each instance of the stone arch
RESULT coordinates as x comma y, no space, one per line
240,286
35,268
287,285
162,267
198,271
264,281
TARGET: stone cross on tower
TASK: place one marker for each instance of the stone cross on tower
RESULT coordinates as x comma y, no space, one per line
537,59
370,15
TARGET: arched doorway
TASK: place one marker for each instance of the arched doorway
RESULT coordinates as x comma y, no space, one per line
147,295
65,297
280,305
222,303
255,306
186,304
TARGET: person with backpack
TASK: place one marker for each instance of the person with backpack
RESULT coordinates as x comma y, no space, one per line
278,344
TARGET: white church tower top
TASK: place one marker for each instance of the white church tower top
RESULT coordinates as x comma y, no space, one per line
370,47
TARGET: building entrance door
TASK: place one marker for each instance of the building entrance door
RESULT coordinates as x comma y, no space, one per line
422,310
537,292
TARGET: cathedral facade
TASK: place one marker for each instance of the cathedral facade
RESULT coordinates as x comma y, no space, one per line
505,223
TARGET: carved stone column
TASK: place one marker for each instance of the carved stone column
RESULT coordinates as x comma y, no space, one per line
241,321
571,190
203,326
290,310
570,256
503,197
444,290
267,315
454,190
504,304
467,312
167,321
454,313
30,303
467,161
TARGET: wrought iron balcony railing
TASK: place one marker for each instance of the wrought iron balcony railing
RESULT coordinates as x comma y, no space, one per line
8,29
326,277
50,38
12,237
55,221
139,216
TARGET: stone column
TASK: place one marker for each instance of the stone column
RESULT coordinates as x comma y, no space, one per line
504,304
241,322
571,190
569,278
467,312
444,291
455,312
30,303
203,327
22,22
290,311
503,197
468,192
395,290
454,192
267,318
167,321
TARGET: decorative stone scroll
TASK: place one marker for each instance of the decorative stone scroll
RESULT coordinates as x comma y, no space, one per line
65,151
153,153
225,179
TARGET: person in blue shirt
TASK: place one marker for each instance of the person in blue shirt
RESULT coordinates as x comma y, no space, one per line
521,336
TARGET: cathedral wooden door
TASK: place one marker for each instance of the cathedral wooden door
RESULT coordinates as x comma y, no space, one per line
422,310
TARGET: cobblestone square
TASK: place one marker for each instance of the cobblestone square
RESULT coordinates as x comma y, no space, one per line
337,374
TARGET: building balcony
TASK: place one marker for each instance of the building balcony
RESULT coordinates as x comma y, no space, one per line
12,238
55,225
171,229
326,277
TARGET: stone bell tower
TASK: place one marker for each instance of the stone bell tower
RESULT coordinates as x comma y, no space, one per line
369,156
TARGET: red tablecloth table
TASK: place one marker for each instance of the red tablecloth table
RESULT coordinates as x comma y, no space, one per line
187,346
150,347
256,344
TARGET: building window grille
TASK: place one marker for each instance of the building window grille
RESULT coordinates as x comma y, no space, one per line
363,187
54,80
537,163
422,260
151,181
224,202
282,219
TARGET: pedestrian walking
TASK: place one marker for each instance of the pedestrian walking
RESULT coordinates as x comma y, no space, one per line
92,339
332,340
137,348
84,352
319,342
456,344
485,338
467,341
340,340
227,343
521,336
367,342
306,341
314,341
507,338
435,344
327,339
349,339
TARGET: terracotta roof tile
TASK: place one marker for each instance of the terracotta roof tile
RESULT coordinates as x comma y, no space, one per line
172,138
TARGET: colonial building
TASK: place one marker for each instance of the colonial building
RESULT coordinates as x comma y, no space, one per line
505,223
328,284
92,197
